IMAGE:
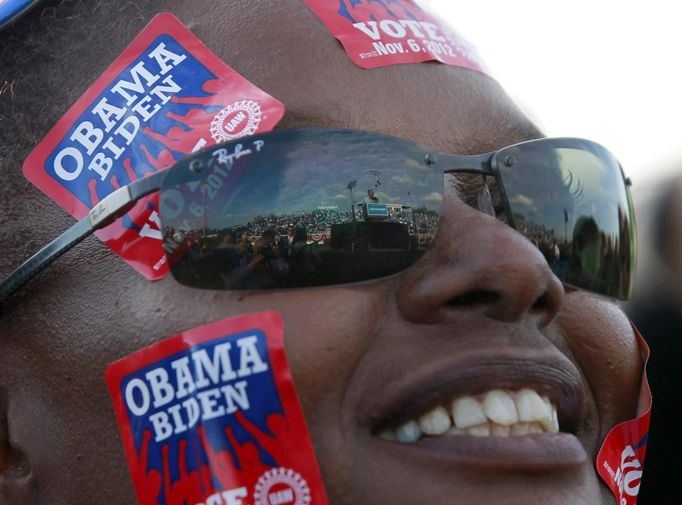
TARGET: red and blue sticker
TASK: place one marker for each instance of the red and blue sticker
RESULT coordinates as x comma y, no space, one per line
165,97
211,416
620,461
377,33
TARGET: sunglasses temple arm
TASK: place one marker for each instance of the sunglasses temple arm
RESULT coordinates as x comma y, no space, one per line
101,215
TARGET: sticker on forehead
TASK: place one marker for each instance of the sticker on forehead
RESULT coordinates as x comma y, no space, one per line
620,461
211,416
166,96
377,33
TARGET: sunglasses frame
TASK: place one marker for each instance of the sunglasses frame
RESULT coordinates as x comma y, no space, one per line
117,203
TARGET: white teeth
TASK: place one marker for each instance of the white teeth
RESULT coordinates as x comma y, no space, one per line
482,430
519,429
454,430
497,430
466,412
530,406
535,428
555,421
408,432
496,413
550,421
435,422
500,408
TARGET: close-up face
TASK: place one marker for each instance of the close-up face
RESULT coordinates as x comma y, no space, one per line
480,311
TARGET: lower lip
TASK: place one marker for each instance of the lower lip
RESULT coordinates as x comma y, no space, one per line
531,452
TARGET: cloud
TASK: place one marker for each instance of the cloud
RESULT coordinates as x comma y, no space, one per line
402,179
434,197
340,196
415,165
522,200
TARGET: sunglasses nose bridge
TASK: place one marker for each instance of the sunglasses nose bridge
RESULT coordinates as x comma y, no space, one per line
467,164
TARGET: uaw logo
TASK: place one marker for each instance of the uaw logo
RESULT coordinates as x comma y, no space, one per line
238,119
281,486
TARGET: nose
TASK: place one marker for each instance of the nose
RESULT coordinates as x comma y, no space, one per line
479,263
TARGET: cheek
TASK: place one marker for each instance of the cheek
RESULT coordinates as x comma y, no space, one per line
59,353
326,334
326,330
604,345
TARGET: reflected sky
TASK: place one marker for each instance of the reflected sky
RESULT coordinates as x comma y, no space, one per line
556,191
306,171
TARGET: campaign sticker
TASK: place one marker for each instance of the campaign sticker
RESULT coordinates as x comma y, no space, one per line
211,417
620,461
165,97
377,33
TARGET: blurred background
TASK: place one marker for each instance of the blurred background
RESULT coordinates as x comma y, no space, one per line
606,70
610,71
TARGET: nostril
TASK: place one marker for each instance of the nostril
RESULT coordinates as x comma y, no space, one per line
475,296
542,303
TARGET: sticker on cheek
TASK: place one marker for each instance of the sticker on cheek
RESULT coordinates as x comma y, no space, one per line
211,416
620,461
377,33
166,96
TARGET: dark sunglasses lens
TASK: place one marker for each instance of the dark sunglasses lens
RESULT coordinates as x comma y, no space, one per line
568,197
299,208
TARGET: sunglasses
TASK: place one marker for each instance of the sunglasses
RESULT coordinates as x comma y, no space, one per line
225,211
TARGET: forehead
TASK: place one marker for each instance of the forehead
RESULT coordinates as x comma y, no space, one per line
283,48
296,59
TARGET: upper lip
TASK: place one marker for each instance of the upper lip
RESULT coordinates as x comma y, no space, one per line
471,372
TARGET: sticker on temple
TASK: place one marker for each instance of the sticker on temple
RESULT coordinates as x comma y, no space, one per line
166,96
377,33
620,461
211,416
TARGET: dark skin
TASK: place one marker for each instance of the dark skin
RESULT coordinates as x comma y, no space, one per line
383,347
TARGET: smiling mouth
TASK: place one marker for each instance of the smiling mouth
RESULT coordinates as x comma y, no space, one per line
495,413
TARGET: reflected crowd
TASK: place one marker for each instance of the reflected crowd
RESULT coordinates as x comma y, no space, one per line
299,249
590,256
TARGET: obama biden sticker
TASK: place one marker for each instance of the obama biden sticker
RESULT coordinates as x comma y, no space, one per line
165,97
210,416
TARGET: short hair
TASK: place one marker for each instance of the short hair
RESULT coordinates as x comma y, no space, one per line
41,45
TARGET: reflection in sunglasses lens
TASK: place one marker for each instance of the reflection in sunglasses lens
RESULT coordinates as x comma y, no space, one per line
303,209
570,201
